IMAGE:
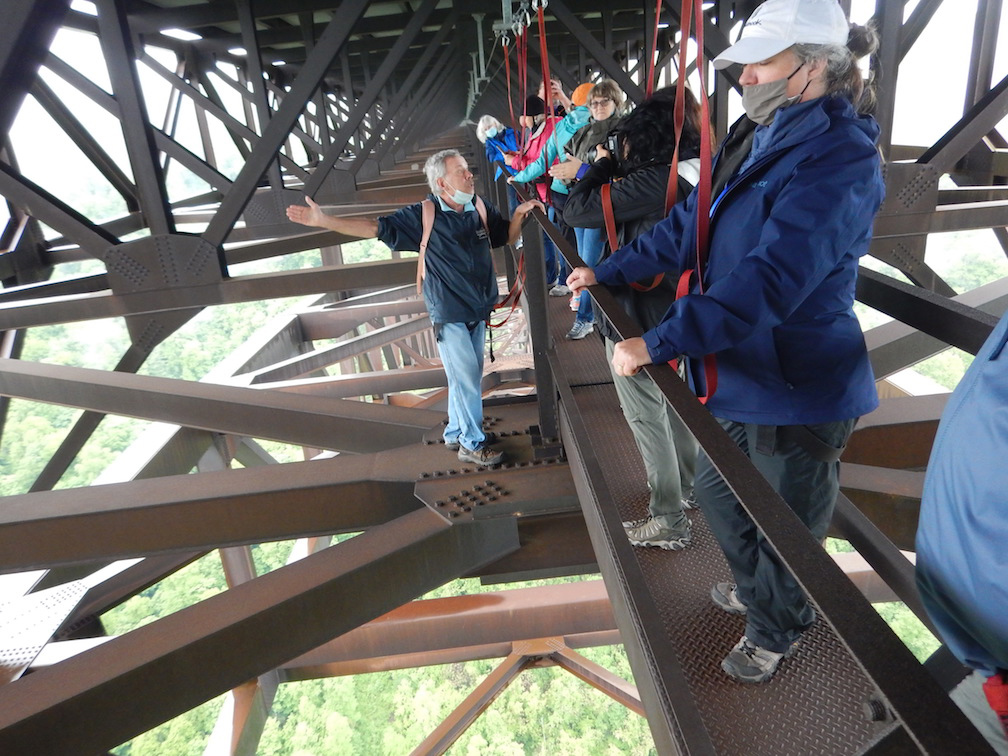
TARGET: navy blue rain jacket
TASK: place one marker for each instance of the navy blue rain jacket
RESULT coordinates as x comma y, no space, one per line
786,235
460,285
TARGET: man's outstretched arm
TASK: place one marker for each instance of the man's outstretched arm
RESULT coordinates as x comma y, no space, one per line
312,215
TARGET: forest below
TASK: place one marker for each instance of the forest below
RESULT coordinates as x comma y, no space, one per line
544,711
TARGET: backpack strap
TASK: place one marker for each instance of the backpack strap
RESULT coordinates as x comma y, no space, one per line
482,210
427,219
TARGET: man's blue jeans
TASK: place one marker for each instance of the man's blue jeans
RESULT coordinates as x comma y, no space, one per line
461,351
589,245
777,609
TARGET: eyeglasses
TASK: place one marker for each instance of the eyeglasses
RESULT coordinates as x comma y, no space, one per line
600,103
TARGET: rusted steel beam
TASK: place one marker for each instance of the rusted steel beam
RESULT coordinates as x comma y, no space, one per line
889,498
100,699
454,655
361,384
898,434
239,289
895,345
301,365
334,321
192,512
597,676
475,620
309,421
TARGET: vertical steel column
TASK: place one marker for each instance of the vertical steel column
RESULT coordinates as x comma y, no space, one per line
890,15
985,33
537,317
117,43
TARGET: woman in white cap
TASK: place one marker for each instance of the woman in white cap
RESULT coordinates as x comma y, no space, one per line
797,184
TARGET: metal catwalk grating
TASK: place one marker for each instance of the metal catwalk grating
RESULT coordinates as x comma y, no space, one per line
814,705
582,361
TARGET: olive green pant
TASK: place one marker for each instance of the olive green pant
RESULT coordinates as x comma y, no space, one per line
667,447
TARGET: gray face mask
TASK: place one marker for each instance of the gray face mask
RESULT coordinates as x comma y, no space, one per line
762,101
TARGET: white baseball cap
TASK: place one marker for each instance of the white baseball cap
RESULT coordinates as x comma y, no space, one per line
777,24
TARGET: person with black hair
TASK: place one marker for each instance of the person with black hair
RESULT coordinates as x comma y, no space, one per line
796,188
638,177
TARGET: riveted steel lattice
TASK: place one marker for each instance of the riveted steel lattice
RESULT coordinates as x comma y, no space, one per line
28,623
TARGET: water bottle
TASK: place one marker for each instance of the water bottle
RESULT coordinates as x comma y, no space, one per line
575,301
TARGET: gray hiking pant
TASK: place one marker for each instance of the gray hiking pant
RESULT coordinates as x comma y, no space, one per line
778,611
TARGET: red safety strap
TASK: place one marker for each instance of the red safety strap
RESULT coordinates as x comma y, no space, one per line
649,89
544,55
996,690
610,226
609,216
704,184
521,49
507,77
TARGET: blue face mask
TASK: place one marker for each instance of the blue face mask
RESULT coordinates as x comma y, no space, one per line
491,133
459,197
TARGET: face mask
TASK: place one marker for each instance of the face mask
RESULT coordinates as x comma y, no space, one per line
762,101
491,133
459,197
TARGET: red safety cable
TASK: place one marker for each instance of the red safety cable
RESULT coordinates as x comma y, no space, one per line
649,89
513,295
521,50
544,54
507,75
704,185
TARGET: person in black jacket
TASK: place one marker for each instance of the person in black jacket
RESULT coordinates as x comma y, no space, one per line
638,179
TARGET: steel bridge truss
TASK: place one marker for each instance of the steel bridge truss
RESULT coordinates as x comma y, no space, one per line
200,144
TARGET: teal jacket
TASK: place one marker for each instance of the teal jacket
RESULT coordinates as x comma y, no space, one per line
553,150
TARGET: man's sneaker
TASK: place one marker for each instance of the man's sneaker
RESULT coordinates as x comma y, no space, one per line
631,524
559,290
653,533
579,330
490,440
484,456
750,663
690,502
725,595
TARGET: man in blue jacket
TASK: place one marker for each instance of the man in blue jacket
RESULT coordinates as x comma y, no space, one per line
459,283
796,189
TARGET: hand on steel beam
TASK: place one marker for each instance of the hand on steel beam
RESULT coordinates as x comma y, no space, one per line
629,356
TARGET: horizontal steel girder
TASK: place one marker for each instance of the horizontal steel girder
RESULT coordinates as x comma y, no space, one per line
898,434
460,622
193,512
946,319
230,291
334,321
104,697
316,422
310,362
895,345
